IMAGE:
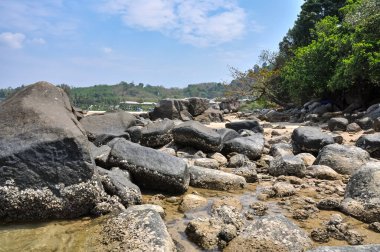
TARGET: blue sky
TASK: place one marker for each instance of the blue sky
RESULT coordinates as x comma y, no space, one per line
158,42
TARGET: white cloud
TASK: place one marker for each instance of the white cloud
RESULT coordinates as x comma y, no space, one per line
37,41
13,40
196,22
107,50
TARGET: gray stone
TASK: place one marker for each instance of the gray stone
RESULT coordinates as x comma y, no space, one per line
171,109
373,111
251,146
322,172
198,105
337,123
192,201
343,159
135,133
281,149
287,165
376,124
370,143
210,115
136,230
207,162
100,154
365,122
238,160
310,139
360,248
362,196
247,171
157,134
198,136
222,160
150,168
227,134
353,128
253,125
307,158
283,189
214,179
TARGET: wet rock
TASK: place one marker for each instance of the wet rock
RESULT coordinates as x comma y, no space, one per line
226,201
373,111
258,208
287,165
307,158
310,139
150,168
222,160
247,171
281,149
353,128
238,160
157,134
192,201
361,248
135,133
283,189
370,143
365,123
136,230
343,159
279,139
251,146
152,207
375,226
204,232
329,204
198,136
270,233
207,162
252,125
376,124
300,214
320,235
337,123
117,182
322,172
227,134
337,137
362,196
214,179
46,166
103,128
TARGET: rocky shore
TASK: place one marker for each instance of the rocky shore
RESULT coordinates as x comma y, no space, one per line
182,178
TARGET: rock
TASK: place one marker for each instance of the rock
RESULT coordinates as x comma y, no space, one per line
192,201
329,204
210,115
376,124
337,137
229,104
287,165
310,139
157,134
373,111
322,172
251,146
365,123
198,136
222,160
276,116
207,162
270,233
361,248
253,125
362,196
337,123
281,149
226,201
228,215
227,134
259,208
150,168
204,232
370,143
171,109
116,182
248,172
135,133
353,128
283,189
320,235
343,159
100,154
214,179
152,207
307,158
103,128
279,139
375,226
46,166
136,229
198,105
238,160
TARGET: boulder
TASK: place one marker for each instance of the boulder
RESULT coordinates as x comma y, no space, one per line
103,128
247,171
288,165
251,146
197,135
210,115
370,143
281,149
136,229
207,162
362,196
198,105
322,172
373,111
192,201
100,154
343,159
357,248
135,133
231,105
376,124
46,166
227,134
253,125
310,139
171,109
276,116
214,179
337,123
157,134
205,232
365,122
270,233
222,160
150,168
238,160
307,158
353,128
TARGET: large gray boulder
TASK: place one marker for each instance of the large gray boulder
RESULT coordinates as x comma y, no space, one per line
373,111
362,196
103,128
157,134
251,146
271,233
310,139
253,125
136,229
370,143
171,109
343,159
197,135
150,168
210,115
288,165
227,134
337,123
46,167
198,105
216,180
